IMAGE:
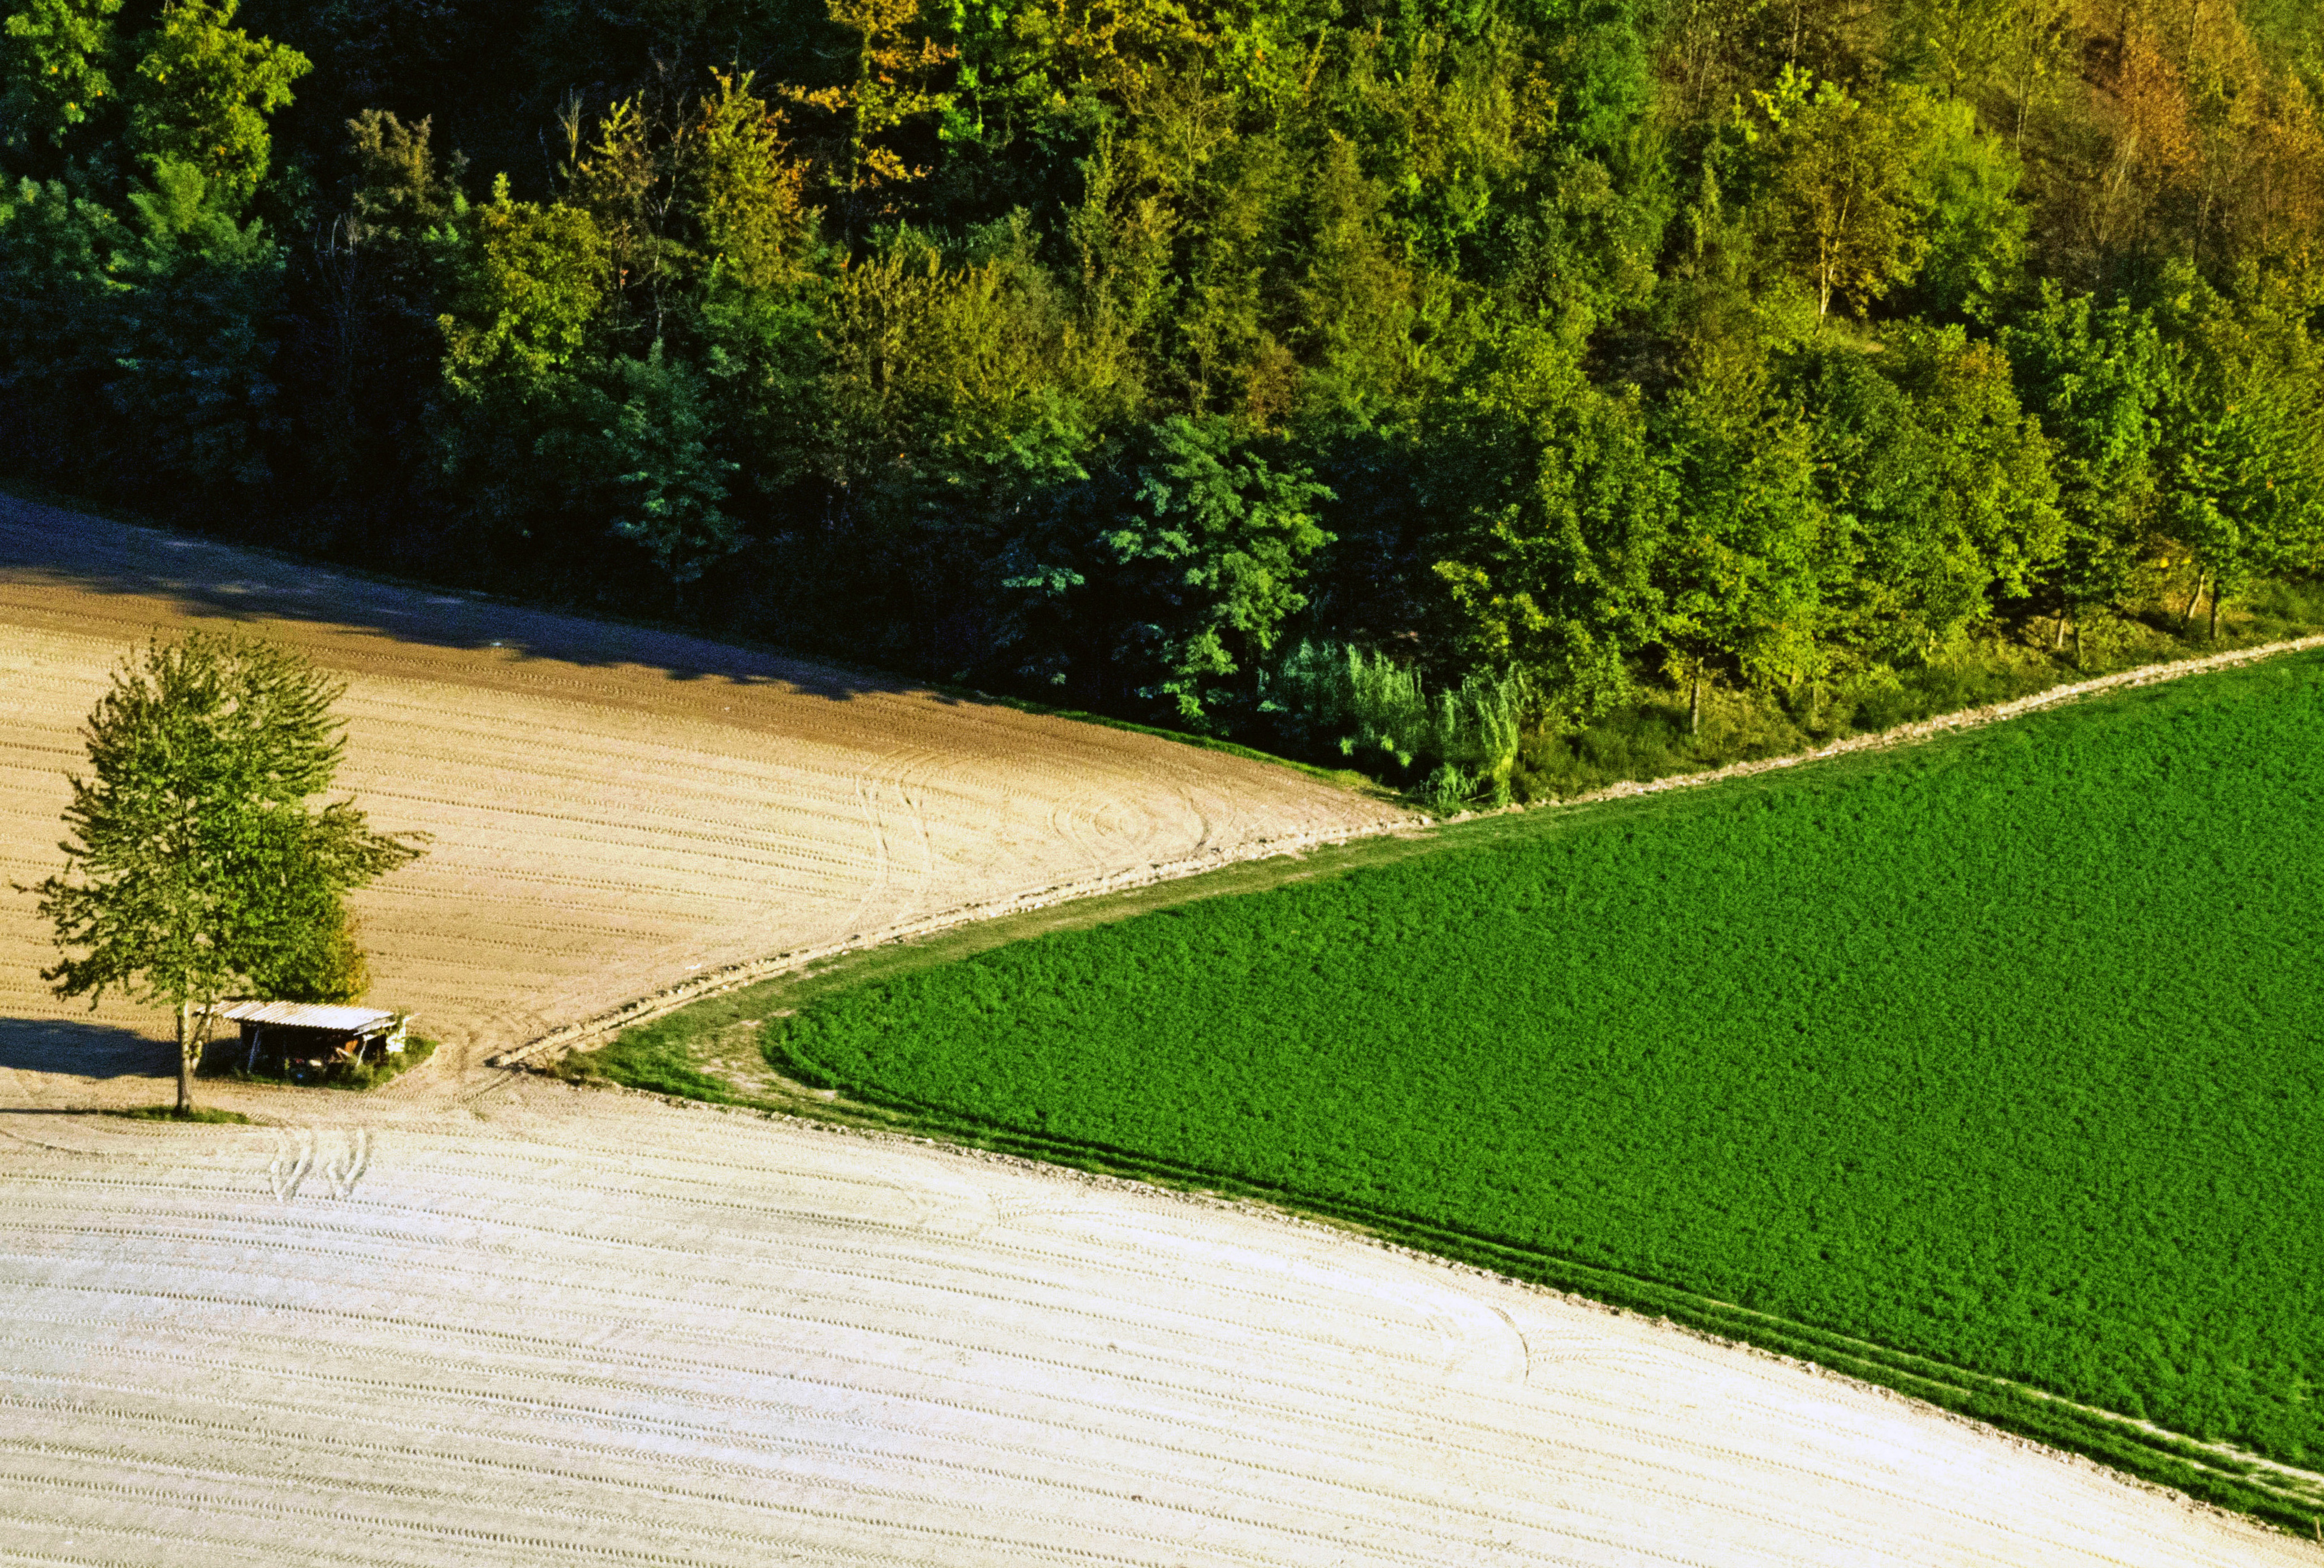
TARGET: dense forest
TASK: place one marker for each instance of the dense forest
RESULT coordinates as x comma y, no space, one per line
1402,373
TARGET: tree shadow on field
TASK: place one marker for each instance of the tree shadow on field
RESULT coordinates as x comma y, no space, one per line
84,1048
203,580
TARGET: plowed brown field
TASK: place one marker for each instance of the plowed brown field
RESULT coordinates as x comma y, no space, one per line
614,809
599,1330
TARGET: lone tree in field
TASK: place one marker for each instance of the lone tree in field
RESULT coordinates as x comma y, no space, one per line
197,870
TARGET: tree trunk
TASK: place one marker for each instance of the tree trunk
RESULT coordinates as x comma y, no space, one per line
2187,616
2025,84
2078,642
2059,642
186,1048
1694,702
2213,635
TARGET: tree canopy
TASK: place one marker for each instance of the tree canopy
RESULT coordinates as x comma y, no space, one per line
1116,353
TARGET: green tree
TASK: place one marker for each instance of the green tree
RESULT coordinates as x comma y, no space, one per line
1976,227
1740,577
401,188
757,303
203,91
192,382
1940,488
620,354
195,862
53,55
1844,196
1176,567
1956,45
2242,449
1554,570
323,963
523,334
146,332
146,342
58,291
672,481
363,309
2097,380
743,192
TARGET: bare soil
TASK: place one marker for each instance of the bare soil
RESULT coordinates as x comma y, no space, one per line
618,813
591,1327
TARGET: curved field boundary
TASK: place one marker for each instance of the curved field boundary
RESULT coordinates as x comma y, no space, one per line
2217,1473
2290,1494
647,1007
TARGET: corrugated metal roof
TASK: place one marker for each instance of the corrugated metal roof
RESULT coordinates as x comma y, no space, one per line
303,1015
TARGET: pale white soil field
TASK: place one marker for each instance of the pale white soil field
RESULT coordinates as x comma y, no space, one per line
598,1329
614,809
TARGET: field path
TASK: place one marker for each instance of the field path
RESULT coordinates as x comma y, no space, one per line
596,1329
617,810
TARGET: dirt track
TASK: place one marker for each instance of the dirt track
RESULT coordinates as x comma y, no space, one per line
614,809
598,1329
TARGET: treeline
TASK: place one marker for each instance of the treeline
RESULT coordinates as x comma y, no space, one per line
1323,371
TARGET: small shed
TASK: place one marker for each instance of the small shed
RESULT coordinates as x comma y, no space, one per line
314,1035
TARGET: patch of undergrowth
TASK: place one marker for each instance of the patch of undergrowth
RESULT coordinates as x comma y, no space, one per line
1649,737
225,1060
659,1056
1999,1058
207,1114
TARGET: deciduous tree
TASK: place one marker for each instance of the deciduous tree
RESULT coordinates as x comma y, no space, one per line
2242,448
1178,563
1740,574
1940,486
203,90
53,61
1844,194
2095,378
1557,576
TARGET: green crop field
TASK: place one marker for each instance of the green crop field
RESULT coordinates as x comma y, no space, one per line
2004,1054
